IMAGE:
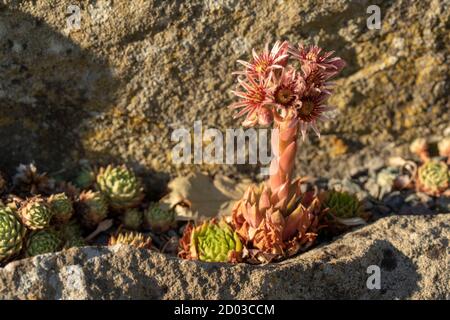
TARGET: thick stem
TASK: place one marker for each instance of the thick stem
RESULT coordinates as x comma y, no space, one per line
284,147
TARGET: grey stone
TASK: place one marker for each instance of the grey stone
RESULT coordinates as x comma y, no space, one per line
372,187
411,252
394,200
443,204
418,208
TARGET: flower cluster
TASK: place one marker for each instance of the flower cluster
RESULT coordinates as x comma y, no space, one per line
270,88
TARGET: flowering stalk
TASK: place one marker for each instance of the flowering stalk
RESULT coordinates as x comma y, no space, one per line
284,147
277,220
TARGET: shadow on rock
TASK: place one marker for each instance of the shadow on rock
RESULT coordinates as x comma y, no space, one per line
340,274
49,87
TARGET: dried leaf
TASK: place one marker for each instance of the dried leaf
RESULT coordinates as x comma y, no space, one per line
102,226
198,196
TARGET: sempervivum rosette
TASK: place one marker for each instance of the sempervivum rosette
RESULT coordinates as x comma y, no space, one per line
61,207
343,205
35,213
159,219
120,186
11,234
131,238
93,208
211,241
71,234
277,220
274,227
433,177
343,210
132,219
43,241
28,180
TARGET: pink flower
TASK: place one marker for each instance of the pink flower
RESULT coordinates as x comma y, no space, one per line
271,88
254,101
311,110
267,61
287,90
312,58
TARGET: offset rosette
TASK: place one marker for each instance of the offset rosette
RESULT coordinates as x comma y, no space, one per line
61,207
433,177
43,241
12,234
212,241
93,208
120,186
131,238
35,213
159,219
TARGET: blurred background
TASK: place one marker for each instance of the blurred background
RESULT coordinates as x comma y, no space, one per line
108,81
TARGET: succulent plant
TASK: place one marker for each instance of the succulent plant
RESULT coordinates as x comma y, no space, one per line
132,219
344,210
43,241
75,242
71,234
61,207
278,220
85,178
433,177
12,201
131,238
211,241
28,180
71,191
93,208
120,186
342,204
274,228
158,219
12,234
35,213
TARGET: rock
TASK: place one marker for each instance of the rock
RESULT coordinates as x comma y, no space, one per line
372,187
419,208
443,204
411,252
394,200
385,179
117,86
375,163
380,211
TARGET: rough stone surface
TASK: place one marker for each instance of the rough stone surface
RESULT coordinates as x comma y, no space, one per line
411,251
112,89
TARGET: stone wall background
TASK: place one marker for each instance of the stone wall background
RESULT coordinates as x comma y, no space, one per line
111,90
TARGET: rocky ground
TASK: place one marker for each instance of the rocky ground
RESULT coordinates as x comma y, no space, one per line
411,252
